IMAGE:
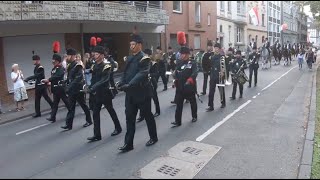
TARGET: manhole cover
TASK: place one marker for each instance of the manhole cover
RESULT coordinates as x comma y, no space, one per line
194,152
168,168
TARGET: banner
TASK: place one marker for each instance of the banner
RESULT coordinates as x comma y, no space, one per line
253,13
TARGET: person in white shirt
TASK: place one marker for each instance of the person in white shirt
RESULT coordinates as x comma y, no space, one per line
20,92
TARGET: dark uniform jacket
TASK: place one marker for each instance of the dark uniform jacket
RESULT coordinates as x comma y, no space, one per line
57,74
136,75
206,62
253,59
161,59
228,59
215,66
75,79
38,76
172,58
100,79
237,63
154,74
184,71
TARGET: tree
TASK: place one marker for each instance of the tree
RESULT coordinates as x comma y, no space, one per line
314,7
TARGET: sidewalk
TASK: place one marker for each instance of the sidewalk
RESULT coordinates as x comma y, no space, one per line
9,114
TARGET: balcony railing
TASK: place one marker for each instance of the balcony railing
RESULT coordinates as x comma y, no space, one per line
126,11
240,19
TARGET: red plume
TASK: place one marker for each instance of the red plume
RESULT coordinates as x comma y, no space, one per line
56,47
93,41
181,38
99,40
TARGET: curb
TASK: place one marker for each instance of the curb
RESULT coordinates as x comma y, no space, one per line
43,113
307,153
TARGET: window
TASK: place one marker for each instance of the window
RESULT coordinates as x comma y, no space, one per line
263,19
209,19
222,5
239,7
198,12
256,38
274,28
262,39
278,28
238,34
177,6
197,41
221,28
250,20
278,15
229,6
274,13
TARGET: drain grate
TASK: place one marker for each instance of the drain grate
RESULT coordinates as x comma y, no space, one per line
192,150
165,169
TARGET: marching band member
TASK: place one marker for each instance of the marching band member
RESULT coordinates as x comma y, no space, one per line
206,66
40,89
236,66
254,66
216,77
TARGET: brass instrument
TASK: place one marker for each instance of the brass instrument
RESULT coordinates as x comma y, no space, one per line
222,73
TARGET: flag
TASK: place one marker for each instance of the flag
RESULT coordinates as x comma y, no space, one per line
253,13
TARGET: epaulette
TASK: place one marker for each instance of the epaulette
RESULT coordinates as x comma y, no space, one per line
144,58
107,66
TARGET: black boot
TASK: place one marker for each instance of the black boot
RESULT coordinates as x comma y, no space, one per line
126,148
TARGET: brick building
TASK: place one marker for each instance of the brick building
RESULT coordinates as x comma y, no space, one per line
196,18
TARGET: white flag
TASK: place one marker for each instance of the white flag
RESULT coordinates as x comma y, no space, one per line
253,13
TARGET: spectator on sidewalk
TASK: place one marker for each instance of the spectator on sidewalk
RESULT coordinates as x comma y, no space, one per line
20,92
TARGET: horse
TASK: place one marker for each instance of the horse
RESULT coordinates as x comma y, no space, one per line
265,56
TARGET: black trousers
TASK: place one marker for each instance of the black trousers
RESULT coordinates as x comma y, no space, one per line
38,94
132,108
56,100
155,100
91,101
180,100
205,81
251,70
73,99
212,90
107,102
234,90
163,77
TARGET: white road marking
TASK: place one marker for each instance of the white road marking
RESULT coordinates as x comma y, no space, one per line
278,79
21,132
204,135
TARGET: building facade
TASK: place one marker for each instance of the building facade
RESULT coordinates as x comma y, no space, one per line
196,18
290,17
258,32
27,27
232,24
313,32
274,21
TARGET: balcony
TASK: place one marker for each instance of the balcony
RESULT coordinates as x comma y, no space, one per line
117,11
240,19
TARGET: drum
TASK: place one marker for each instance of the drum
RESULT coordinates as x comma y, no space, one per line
241,78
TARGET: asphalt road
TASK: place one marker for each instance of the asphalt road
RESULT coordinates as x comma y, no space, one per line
263,139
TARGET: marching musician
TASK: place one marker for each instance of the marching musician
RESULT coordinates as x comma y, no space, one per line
162,67
206,66
101,93
229,58
236,66
135,83
57,89
254,66
114,67
40,89
75,82
216,77
185,75
153,75
171,60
